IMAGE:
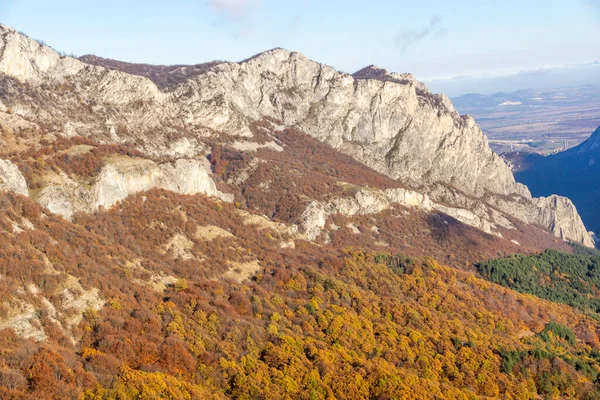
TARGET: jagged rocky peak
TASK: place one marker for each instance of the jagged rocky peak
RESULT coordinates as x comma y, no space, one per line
381,74
378,73
28,60
394,127
371,72
277,52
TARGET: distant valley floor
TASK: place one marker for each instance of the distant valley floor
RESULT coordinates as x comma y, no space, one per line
541,120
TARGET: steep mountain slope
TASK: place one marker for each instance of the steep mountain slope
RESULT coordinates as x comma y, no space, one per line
195,242
389,122
150,299
574,173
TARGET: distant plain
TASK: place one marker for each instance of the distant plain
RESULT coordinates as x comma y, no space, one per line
535,120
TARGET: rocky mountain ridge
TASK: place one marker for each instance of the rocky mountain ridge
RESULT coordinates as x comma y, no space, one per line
390,122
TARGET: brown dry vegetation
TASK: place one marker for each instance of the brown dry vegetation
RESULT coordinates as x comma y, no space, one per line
164,76
283,185
306,169
343,319
58,156
316,322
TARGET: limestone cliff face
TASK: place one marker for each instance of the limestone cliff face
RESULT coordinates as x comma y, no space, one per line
29,61
80,99
11,178
558,213
390,122
124,176
393,123
369,201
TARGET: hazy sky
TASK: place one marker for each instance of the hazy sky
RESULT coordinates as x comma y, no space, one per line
431,39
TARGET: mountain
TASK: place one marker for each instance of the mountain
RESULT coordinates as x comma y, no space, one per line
557,76
389,122
574,173
270,229
475,103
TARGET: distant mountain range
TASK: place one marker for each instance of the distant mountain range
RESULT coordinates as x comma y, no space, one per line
536,78
574,173
538,98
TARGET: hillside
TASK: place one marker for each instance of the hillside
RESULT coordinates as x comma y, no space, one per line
269,229
564,278
182,321
574,173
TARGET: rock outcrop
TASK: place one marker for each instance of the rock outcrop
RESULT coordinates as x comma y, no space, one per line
390,122
393,123
370,201
558,213
11,178
124,176
71,299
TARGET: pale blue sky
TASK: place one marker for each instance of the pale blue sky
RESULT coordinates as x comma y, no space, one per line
431,39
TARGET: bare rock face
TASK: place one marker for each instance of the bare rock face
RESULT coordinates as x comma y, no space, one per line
369,201
73,301
393,124
558,214
11,178
80,99
124,176
390,122
30,61
409,198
